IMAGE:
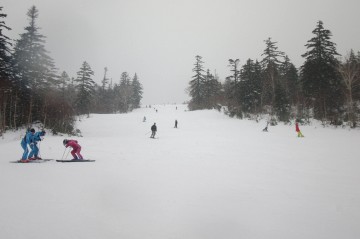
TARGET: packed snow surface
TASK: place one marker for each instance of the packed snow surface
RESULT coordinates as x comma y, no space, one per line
212,177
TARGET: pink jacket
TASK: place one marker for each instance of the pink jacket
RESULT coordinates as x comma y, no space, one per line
73,144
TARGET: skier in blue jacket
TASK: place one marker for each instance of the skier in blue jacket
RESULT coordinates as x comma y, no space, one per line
25,142
33,145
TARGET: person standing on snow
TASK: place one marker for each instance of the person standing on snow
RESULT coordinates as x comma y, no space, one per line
34,148
153,130
176,122
27,140
75,146
297,129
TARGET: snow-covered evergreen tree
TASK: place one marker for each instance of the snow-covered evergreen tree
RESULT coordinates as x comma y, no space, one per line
35,70
137,91
270,65
234,80
320,78
196,85
6,75
211,90
85,86
125,91
33,63
349,70
250,94
5,50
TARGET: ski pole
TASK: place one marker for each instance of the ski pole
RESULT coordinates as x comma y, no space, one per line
63,154
67,153
39,154
148,132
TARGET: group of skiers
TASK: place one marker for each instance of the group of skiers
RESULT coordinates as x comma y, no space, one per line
32,138
154,128
297,129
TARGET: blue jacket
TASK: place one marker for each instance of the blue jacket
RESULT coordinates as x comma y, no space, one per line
36,137
28,138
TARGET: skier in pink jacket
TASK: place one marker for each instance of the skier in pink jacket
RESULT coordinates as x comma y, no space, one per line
75,146
297,129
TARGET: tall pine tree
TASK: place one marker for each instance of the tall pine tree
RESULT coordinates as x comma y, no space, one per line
211,90
5,51
85,89
125,91
289,78
137,91
271,64
104,95
319,75
35,70
250,75
6,75
350,73
234,102
196,85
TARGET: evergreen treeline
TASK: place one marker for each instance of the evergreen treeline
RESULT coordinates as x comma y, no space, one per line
31,90
326,87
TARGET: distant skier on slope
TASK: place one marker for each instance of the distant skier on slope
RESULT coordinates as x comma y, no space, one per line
153,130
75,146
266,128
297,129
176,123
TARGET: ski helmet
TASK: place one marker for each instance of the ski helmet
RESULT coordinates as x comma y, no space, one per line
65,141
32,130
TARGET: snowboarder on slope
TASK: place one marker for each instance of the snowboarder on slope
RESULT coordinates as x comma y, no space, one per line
297,129
266,128
153,130
75,146
26,140
34,148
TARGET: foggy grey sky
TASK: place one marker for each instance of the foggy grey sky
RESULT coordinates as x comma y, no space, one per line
158,39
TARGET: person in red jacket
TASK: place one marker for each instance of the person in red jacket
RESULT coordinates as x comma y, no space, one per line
75,146
297,129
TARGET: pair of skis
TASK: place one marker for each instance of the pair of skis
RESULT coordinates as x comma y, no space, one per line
61,161
75,160
32,161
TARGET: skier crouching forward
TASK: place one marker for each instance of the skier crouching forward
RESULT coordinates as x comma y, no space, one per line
27,140
75,146
153,130
34,154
